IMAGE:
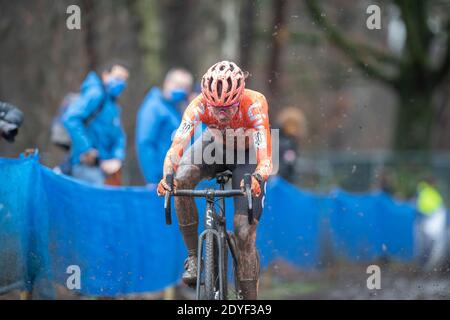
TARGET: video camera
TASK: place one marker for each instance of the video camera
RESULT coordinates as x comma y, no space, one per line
11,119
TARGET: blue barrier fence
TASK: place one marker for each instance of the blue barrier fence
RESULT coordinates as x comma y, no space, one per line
118,236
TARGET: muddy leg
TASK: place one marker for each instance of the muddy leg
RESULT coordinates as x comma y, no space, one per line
187,177
248,259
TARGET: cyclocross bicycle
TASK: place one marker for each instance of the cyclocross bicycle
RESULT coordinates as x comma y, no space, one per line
212,274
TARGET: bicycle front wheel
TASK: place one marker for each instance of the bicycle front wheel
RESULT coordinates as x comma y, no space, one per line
210,269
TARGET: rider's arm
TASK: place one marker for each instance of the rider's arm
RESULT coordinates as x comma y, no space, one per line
191,119
259,119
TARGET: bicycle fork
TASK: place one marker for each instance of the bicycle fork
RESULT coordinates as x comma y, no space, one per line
211,225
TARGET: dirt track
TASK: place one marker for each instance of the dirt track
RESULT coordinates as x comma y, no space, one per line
346,282
349,282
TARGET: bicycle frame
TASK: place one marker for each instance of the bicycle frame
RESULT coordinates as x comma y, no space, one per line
214,224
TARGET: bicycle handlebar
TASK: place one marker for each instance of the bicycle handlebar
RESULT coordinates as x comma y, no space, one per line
210,193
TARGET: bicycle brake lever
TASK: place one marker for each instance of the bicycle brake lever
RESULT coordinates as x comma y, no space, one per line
167,204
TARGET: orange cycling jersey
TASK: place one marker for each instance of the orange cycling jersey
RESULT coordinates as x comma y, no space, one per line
252,115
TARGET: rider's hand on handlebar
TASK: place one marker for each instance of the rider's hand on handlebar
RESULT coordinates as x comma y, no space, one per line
256,188
163,187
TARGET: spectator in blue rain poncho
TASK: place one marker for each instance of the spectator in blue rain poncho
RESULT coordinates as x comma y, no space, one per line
158,117
94,125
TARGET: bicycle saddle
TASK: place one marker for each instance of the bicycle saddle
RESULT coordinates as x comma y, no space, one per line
224,176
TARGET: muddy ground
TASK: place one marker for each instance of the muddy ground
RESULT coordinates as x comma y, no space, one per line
342,281
349,282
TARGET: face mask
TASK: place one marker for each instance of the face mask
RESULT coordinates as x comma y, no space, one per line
115,87
178,95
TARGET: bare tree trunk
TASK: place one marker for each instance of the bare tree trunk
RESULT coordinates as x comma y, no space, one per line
279,38
247,33
442,118
415,116
413,78
89,33
230,17
178,27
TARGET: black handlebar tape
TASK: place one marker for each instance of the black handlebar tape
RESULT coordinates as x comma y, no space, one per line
208,193
169,180
248,190
167,206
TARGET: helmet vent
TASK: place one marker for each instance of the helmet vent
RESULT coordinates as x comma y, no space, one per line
230,84
219,88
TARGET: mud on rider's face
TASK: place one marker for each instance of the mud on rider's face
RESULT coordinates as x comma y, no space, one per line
224,114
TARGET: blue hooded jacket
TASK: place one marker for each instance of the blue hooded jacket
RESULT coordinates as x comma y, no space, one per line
104,132
157,119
